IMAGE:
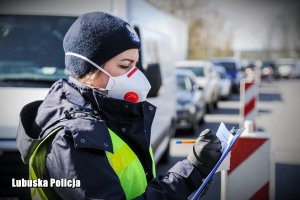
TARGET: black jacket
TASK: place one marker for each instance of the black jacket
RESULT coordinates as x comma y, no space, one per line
77,151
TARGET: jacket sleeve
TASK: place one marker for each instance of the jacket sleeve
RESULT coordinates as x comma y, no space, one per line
179,183
99,181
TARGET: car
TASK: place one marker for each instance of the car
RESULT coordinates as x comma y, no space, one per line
268,70
206,77
190,109
296,72
225,83
233,69
286,67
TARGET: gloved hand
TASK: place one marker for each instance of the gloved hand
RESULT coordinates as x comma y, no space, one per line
206,152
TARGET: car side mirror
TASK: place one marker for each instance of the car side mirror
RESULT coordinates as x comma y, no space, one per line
153,75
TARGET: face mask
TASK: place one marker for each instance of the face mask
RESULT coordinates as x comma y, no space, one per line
132,86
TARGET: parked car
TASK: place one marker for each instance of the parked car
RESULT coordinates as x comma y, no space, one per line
190,109
286,68
233,69
206,77
296,73
268,70
225,83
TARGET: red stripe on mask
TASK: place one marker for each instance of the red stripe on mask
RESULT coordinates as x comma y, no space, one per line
132,72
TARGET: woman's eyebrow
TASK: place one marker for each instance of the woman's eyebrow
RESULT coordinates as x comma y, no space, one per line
127,59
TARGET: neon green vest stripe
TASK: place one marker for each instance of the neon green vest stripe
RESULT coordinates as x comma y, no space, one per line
36,168
124,161
153,162
128,167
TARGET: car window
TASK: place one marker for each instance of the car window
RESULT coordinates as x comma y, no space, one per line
192,82
184,83
198,71
31,47
222,74
229,66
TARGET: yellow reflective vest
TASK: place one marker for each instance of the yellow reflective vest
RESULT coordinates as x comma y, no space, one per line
123,160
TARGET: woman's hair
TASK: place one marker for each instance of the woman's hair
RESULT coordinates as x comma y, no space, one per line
89,77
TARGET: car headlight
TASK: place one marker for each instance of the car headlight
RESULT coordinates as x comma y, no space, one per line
192,109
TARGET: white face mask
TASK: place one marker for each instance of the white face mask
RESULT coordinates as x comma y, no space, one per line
132,86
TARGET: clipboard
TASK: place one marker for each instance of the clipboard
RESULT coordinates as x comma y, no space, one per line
236,134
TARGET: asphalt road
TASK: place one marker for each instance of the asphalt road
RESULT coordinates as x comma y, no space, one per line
278,115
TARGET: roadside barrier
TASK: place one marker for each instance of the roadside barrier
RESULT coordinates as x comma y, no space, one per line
248,99
251,174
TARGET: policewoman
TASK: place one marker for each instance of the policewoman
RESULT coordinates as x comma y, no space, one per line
95,127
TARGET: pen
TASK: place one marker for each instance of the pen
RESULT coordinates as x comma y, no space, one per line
185,141
191,141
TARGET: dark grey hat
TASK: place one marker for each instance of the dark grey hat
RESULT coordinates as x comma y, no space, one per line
99,37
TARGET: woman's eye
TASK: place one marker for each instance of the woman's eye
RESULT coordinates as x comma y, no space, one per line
124,66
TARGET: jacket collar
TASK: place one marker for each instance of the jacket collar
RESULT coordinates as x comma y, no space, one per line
130,120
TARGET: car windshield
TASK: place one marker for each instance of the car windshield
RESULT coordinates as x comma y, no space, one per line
198,71
184,83
267,64
229,66
31,47
222,74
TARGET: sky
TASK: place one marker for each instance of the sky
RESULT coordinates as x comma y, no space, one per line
260,24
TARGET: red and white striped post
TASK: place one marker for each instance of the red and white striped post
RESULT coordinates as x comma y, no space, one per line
252,171
248,99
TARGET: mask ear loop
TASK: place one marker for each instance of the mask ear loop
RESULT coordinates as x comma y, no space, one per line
91,62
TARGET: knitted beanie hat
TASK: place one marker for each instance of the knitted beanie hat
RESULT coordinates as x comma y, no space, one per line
99,37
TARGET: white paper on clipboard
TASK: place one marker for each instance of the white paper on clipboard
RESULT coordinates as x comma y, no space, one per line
225,137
